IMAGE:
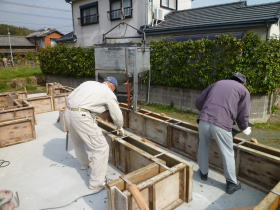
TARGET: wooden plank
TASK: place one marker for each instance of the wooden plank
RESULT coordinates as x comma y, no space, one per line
136,176
41,104
17,113
59,102
167,191
166,187
16,131
271,200
156,130
120,201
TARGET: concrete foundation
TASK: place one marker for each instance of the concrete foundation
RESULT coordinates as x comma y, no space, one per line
45,176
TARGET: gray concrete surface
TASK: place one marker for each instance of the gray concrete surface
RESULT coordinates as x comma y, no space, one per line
45,176
36,95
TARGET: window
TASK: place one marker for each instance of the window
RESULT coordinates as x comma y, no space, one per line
170,4
119,9
89,14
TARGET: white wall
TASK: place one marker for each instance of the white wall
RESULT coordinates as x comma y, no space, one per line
141,14
274,31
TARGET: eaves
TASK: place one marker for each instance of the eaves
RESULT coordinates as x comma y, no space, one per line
211,27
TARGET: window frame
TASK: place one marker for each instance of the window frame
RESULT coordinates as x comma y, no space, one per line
88,6
110,11
165,7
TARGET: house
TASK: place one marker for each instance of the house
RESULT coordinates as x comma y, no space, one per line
206,22
44,38
19,45
68,39
93,18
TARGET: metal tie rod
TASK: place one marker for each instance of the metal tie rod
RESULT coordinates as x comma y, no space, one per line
274,192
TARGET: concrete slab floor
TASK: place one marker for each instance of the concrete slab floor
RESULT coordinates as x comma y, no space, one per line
45,176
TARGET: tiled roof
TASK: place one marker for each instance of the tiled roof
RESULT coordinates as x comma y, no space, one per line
237,13
19,41
42,33
70,37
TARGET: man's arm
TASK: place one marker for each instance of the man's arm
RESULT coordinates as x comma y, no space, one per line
202,97
243,111
115,112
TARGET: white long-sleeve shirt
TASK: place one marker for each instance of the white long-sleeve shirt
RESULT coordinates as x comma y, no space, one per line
97,98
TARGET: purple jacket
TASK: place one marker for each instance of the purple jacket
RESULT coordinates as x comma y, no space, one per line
224,102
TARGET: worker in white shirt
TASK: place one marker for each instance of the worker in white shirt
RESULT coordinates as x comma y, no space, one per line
91,148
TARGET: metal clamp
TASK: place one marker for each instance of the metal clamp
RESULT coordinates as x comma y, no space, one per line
276,193
126,180
158,154
162,165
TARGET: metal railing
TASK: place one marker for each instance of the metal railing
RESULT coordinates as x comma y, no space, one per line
89,19
118,13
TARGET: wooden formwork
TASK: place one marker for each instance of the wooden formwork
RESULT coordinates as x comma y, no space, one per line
21,109
164,180
256,164
16,131
41,104
6,99
59,101
271,200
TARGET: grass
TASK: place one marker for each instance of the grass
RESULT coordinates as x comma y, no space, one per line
19,72
271,126
188,116
8,74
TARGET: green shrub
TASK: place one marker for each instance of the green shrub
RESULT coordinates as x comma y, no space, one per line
197,64
60,60
190,64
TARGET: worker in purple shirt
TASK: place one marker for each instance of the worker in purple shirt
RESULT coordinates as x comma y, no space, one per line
220,105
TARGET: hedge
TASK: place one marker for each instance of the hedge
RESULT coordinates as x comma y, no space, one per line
190,64
197,64
60,60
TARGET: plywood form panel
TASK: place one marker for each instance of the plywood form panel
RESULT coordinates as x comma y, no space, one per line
156,130
185,142
259,169
41,104
271,200
167,191
59,102
16,131
137,123
17,113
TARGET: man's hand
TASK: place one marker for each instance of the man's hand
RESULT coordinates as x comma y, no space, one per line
120,132
247,131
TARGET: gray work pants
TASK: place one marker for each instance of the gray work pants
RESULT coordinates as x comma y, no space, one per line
90,145
207,132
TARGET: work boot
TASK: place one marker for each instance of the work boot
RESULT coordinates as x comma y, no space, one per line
203,177
232,187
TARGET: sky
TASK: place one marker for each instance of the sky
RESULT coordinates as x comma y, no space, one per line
38,14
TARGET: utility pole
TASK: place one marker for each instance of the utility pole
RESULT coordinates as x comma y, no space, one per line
12,58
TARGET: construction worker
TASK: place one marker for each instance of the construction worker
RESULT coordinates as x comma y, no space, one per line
87,100
220,105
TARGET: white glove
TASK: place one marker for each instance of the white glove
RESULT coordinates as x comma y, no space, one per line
247,131
120,132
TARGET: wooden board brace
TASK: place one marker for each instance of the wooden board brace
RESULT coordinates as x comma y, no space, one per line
136,194
274,192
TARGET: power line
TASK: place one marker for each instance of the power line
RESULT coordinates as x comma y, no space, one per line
36,15
34,6
39,24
